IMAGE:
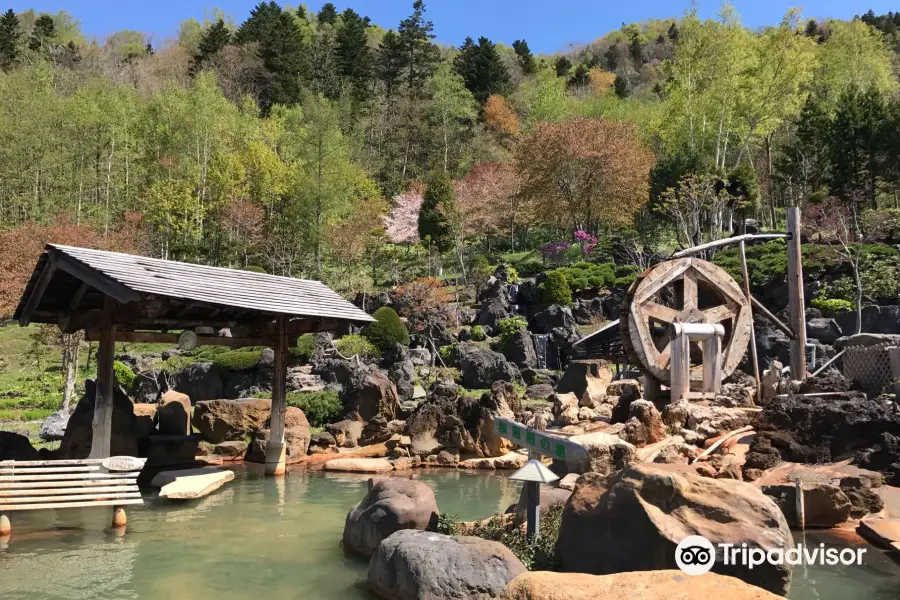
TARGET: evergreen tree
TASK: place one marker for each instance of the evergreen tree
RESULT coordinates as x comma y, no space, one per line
420,55
214,39
620,86
281,49
9,39
482,69
43,34
812,28
581,77
328,14
636,50
389,62
562,65
857,145
673,33
436,214
612,57
526,59
354,57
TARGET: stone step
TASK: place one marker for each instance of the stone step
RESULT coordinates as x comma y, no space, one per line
191,483
881,532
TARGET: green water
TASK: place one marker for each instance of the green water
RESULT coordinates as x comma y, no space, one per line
277,538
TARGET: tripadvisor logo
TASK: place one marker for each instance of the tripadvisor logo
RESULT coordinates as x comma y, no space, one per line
696,555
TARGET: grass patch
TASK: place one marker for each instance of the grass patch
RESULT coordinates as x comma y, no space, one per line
25,414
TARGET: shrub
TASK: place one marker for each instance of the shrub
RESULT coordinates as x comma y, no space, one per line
831,306
242,359
556,289
448,354
538,554
480,268
306,347
447,524
510,327
124,375
387,330
512,275
477,333
206,353
320,408
357,344
254,269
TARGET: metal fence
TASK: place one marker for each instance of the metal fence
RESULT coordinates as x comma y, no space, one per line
870,365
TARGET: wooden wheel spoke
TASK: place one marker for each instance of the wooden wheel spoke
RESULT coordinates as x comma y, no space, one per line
717,314
689,297
660,312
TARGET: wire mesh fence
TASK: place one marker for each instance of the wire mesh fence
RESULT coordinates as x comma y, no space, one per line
870,366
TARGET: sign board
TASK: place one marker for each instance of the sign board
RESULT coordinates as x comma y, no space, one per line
123,463
539,441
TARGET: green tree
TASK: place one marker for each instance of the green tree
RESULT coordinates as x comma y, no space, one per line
9,39
213,40
328,14
482,69
387,330
420,55
526,59
451,113
353,55
389,62
437,212
43,35
857,145
562,66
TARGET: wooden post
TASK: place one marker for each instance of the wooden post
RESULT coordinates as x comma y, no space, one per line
275,447
103,401
800,506
796,302
533,496
119,519
894,353
712,364
681,367
753,355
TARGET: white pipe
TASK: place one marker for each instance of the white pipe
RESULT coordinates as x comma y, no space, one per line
727,241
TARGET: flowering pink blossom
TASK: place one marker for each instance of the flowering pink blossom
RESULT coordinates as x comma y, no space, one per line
402,223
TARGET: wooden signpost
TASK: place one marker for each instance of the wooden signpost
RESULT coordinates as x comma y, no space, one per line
539,441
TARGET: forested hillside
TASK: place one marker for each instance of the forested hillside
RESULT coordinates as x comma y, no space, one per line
327,146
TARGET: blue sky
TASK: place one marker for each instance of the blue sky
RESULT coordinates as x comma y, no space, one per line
548,26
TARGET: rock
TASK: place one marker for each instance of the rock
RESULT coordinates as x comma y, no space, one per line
879,320
560,342
671,584
826,331
296,444
76,441
322,442
54,427
539,391
174,413
418,565
200,381
172,450
509,461
144,420
865,339
565,409
391,504
233,450
550,497
224,420
824,505
493,312
375,431
607,453
568,482
676,414
519,350
586,311
588,380
552,317
403,374
637,522
710,421
448,457
364,388
644,425
359,465
481,367
346,433
676,453
420,357
727,466
773,344
191,483
14,446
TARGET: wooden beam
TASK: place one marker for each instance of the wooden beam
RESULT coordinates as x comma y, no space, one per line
94,278
796,303
728,242
775,320
38,292
753,355
153,337
275,459
78,297
103,402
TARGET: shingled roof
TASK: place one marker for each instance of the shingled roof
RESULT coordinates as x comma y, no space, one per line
69,279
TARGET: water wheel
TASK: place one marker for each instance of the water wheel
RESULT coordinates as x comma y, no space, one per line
684,290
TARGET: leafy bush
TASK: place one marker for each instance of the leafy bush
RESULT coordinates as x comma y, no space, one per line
526,264
584,275
254,269
206,353
124,375
480,268
447,524
831,306
556,289
510,327
477,333
242,359
387,330
306,347
538,554
357,344
625,275
512,275
448,354
320,408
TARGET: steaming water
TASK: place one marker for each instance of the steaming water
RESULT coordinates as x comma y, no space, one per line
277,538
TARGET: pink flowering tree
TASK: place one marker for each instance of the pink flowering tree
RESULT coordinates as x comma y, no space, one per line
586,241
402,223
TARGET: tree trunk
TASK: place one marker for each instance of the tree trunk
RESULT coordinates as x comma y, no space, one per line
854,265
70,343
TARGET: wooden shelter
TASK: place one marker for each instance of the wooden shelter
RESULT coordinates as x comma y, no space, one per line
127,298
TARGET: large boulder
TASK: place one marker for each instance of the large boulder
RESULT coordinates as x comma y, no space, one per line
607,454
174,413
519,350
552,317
54,427
14,446
492,312
824,330
346,433
418,565
390,505
587,311
296,444
671,584
824,505
201,381
403,374
644,425
481,367
363,388
647,510
375,431
587,379
225,420
79,434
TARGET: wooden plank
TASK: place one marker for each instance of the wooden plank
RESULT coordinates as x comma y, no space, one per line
727,242
796,303
17,487
717,314
103,403
689,293
78,297
50,463
28,470
56,505
95,278
69,498
69,477
775,320
275,453
660,312
38,292
152,337
753,355
113,489
539,441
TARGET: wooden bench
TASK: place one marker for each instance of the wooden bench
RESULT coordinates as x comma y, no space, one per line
60,484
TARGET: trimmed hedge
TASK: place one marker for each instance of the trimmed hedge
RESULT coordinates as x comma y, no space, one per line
357,344
387,330
556,289
242,359
510,327
124,375
306,346
320,408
